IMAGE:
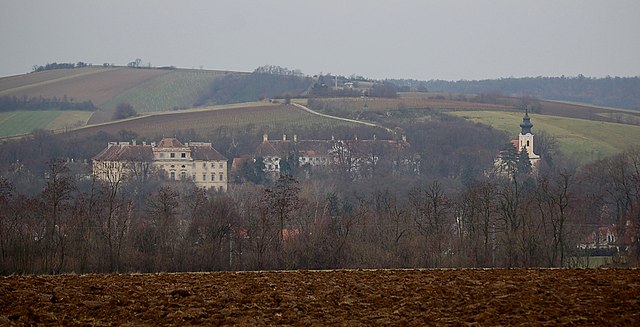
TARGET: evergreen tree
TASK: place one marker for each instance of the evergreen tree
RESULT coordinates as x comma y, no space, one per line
523,165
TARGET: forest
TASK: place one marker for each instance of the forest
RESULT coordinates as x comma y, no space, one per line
457,209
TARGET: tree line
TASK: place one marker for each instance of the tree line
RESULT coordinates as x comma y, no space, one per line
62,65
514,219
234,88
12,103
450,206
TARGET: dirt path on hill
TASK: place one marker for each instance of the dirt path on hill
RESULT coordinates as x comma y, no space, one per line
343,119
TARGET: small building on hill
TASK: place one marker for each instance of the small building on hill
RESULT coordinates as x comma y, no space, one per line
195,161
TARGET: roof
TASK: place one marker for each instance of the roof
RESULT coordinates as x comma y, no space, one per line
239,161
526,124
267,149
206,153
126,153
170,142
315,148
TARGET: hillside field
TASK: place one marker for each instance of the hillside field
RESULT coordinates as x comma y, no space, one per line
354,105
99,85
476,297
582,139
22,122
203,121
176,89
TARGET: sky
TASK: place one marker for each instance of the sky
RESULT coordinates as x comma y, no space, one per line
449,39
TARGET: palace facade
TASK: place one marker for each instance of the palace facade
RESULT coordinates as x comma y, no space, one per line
195,161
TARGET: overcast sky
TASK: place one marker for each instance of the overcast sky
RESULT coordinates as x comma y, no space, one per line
450,40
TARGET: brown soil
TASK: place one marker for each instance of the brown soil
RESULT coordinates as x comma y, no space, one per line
354,298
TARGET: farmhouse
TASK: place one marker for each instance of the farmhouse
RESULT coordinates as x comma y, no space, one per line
609,239
353,156
195,161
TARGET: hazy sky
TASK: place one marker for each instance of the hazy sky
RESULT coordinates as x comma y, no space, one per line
451,40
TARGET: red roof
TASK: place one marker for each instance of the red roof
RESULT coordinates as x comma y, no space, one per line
126,153
206,153
170,142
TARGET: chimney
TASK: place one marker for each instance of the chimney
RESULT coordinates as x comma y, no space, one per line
284,137
355,137
404,138
374,137
333,138
265,137
133,142
295,138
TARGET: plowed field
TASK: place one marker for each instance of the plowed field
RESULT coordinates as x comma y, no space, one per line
351,298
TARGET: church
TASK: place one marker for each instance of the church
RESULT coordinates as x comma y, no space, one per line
525,139
506,160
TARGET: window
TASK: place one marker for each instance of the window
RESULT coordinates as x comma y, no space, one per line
527,142
183,166
172,155
204,177
183,175
221,177
213,177
213,165
193,177
221,166
204,165
221,189
173,166
173,175
161,154
183,155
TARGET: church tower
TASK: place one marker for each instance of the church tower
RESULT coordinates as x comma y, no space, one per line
525,138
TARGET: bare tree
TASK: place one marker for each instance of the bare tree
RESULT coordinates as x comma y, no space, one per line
431,215
56,196
554,200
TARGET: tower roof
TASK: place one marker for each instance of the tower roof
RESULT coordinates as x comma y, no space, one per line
526,123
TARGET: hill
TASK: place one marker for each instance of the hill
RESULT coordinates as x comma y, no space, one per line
622,92
152,91
147,90
581,139
202,121
583,132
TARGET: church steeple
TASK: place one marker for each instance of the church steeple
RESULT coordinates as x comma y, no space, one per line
526,123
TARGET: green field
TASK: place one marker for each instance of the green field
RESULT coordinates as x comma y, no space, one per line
581,139
22,122
177,89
